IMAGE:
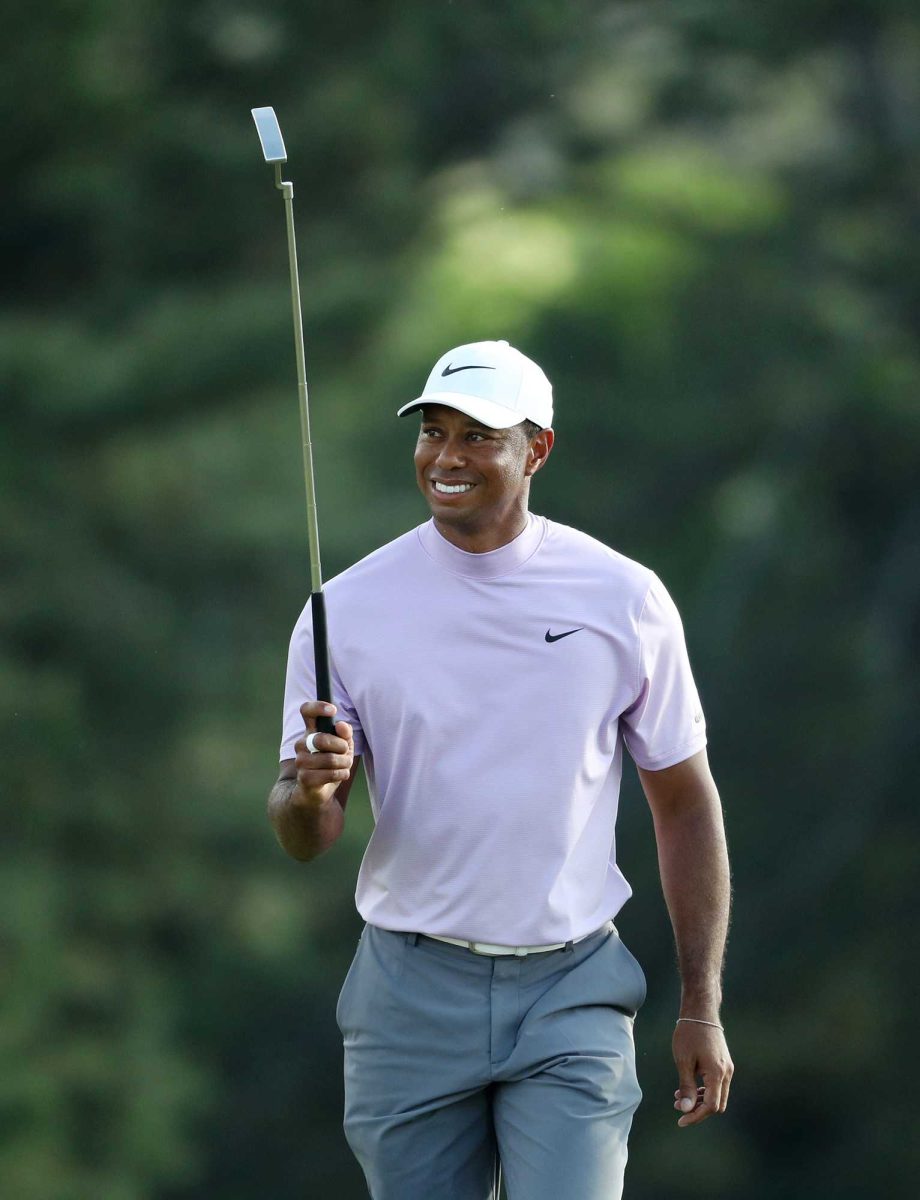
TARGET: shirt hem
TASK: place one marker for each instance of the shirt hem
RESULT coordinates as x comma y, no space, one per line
680,754
411,928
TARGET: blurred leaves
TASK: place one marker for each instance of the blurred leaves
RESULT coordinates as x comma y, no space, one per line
702,221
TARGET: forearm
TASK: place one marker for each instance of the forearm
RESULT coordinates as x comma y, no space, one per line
303,831
693,861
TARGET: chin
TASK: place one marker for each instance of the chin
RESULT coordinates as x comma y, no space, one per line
464,522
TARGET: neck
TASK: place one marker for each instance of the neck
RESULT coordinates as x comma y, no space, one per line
480,541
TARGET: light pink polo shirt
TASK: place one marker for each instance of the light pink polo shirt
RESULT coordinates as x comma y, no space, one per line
491,695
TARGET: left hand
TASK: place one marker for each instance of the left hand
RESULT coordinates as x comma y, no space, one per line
704,1069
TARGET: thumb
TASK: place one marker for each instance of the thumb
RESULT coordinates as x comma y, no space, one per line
686,1092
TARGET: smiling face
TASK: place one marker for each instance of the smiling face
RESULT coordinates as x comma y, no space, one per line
476,479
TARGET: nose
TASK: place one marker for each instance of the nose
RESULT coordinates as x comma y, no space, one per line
451,453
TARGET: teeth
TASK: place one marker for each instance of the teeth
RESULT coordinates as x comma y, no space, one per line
451,488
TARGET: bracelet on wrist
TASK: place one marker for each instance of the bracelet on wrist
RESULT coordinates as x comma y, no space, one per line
697,1021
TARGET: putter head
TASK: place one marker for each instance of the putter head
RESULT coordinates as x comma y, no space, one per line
269,133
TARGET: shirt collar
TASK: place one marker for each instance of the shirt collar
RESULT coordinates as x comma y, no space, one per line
491,564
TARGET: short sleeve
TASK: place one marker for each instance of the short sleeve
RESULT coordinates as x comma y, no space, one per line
665,723
299,687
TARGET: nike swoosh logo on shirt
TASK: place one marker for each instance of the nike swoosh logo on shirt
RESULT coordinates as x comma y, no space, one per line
449,370
555,637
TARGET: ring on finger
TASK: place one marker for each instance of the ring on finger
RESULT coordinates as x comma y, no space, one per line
310,744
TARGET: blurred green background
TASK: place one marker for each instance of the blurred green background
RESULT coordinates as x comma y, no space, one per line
702,220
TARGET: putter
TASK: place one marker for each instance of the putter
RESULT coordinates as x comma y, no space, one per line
275,154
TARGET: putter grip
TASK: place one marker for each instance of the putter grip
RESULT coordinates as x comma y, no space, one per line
321,659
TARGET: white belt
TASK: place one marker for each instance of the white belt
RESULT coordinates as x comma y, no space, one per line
518,951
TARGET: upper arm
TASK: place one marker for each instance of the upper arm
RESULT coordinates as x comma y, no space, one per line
679,786
664,720
287,770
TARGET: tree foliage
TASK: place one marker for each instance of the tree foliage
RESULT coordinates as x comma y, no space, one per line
702,220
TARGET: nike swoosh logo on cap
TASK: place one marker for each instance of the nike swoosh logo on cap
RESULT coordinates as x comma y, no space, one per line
449,370
555,637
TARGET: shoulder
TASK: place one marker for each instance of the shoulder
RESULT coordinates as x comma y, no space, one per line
371,581
389,560
579,553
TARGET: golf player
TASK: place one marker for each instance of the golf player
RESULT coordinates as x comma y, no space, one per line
489,667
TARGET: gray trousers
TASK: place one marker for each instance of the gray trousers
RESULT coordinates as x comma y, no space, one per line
452,1058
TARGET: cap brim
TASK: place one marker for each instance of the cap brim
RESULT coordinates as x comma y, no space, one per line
495,416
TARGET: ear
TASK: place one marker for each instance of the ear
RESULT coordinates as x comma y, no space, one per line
538,451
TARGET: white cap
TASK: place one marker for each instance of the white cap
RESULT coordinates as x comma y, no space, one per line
491,382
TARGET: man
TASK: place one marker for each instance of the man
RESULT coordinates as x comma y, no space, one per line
488,667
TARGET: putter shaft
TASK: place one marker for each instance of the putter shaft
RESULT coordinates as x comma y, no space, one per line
316,573
274,153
